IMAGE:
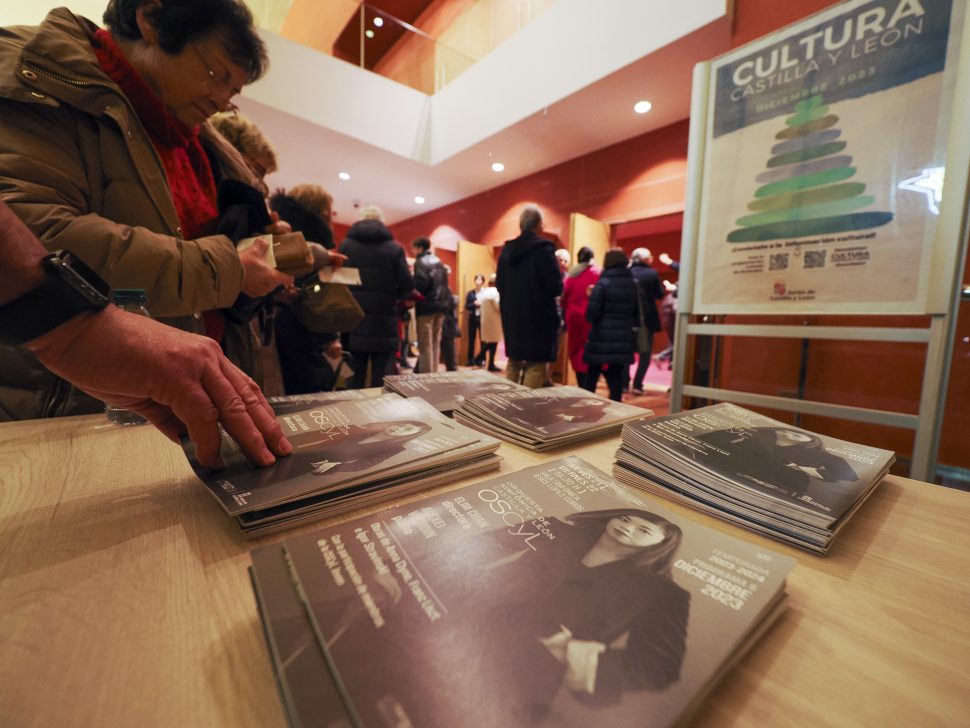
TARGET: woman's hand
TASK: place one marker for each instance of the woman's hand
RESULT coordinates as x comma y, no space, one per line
582,661
260,277
323,257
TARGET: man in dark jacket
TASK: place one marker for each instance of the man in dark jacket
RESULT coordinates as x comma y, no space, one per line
431,281
651,291
528,281
384,280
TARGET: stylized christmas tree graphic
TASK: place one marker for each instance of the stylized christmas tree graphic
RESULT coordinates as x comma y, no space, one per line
805,189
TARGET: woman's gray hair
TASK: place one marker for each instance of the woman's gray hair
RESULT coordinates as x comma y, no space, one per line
371,212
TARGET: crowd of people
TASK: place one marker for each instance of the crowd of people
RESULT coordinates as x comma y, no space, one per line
122,146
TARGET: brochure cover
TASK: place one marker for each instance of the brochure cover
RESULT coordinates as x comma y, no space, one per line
783,481
336,445
549,596
757,459
447,390
540,419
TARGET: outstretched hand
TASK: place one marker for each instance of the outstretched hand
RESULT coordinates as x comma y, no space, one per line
260,277
180,382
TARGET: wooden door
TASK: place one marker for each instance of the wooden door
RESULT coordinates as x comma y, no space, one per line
471,259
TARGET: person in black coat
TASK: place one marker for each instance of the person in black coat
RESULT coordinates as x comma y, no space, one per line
614,313
528,282
651,291
431,281
303,363
474,311
384,280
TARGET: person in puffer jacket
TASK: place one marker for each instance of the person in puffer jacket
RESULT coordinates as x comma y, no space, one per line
614,314
384,280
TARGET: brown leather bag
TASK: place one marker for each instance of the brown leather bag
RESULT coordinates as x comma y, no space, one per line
327,308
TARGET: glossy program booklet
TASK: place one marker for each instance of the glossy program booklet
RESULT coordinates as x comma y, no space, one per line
549,596
542,419
780,480
338,445
446,391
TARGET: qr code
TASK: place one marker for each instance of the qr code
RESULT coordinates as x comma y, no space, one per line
778,261
814,258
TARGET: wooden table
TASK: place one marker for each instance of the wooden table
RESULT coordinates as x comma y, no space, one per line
125,600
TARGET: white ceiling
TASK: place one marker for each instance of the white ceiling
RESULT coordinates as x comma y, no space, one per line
576,122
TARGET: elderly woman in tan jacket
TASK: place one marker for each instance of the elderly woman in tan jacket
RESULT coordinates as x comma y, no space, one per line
105,151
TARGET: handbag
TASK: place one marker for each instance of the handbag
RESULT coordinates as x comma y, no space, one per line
327,308
643,334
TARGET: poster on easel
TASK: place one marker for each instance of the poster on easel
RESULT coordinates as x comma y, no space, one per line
824,161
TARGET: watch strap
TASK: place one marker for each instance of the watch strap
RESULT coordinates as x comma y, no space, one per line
64,294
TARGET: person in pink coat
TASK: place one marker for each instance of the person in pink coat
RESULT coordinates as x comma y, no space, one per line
575,296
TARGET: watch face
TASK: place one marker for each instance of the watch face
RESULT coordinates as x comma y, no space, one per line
84,280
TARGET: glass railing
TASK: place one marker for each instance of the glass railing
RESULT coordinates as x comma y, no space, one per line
446,39
380,42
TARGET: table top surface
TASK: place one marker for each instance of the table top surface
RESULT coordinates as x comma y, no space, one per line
125,598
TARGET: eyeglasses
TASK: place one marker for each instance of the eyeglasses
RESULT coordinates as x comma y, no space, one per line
221,86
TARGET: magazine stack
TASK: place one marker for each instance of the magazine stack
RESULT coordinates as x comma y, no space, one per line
347,454
741,466
543,419
446,391
549,596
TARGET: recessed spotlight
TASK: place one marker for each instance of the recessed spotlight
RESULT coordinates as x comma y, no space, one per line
378,22
369,33
344,176
642,107
497,167
419,199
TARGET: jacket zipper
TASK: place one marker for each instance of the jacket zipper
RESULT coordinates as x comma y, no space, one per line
55,76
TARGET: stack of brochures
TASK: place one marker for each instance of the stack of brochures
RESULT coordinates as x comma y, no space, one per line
549,596
748,469
448,390
350,450
542,419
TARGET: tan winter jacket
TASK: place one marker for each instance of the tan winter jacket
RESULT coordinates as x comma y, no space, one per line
78,168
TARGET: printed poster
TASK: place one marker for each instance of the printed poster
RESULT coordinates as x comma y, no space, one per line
824,162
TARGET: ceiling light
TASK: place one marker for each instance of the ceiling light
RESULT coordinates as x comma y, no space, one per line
344,176
378,22
419,199
369,33
642,107
497,166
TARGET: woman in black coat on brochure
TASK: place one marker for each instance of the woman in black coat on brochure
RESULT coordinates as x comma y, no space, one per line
591,611
614,314
384,280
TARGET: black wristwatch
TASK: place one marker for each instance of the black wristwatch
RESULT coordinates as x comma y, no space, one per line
69,289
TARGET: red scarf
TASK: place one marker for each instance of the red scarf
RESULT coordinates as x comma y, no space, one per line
187,168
